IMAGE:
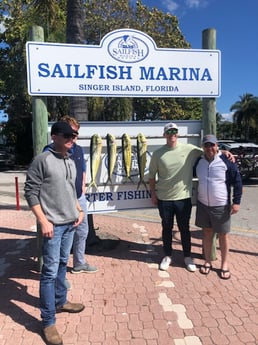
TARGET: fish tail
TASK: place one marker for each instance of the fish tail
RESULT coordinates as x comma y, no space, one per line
129,178
93,184
142,182
109,179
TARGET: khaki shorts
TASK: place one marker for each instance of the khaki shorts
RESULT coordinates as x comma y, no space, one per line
215,217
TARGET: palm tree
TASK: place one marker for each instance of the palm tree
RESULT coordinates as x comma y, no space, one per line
246,113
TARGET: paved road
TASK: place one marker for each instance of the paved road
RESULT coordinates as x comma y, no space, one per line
245,222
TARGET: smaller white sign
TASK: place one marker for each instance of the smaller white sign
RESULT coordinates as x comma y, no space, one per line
121,193
127,63
118,197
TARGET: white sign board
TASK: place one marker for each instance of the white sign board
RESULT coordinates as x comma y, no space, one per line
127,63
121,193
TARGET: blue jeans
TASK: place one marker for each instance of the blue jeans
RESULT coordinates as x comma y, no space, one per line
55,253
182,210
80,236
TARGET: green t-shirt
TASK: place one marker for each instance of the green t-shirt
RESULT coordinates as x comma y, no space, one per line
173,169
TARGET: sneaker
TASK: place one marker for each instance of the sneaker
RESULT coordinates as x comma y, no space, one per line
52,336
69,307
84,269
166,261
190,265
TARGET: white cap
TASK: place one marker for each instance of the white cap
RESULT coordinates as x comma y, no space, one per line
170,125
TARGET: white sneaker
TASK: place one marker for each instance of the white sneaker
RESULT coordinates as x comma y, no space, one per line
190,265
166,261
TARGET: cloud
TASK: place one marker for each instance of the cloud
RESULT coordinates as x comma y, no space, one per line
170,5
196,3
227,117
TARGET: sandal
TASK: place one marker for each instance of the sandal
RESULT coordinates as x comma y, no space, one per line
223,276
205,269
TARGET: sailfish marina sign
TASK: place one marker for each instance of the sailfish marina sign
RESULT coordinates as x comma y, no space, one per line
127,63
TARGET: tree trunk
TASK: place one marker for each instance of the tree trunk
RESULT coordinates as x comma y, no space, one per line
75,35
78,105
78,108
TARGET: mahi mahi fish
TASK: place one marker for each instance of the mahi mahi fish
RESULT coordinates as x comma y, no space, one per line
141,157
95,158
127,155
111,155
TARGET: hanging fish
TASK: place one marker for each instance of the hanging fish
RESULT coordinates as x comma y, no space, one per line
111,155
141,157
127,155
95,158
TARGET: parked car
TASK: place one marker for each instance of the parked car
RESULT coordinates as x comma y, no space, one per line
223,142
246,155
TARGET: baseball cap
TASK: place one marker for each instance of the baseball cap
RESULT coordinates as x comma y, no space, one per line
209,138
170,125
62,127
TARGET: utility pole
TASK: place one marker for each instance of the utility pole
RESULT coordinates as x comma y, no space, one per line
209,104
39,127
209,110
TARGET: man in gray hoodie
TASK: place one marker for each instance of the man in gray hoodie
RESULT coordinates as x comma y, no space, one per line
51,194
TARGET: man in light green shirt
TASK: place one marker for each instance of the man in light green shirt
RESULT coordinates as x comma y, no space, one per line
170,179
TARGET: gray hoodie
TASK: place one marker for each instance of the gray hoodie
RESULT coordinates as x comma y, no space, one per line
50,182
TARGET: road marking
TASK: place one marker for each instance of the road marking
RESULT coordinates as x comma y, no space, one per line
189,340
166,303
179,309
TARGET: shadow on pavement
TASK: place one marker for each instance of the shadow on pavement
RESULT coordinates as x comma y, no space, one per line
111,246
17,267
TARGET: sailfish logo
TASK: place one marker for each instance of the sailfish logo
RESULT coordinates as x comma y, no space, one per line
127,42
128,48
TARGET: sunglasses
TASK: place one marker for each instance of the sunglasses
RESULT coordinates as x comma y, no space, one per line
172,131
209,145
67,136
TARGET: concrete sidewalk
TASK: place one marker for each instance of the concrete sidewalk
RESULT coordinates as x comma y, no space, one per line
129,301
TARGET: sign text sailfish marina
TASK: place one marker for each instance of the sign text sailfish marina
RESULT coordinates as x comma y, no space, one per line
126,64
123,72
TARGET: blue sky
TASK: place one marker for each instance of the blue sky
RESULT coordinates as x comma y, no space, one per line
236,25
